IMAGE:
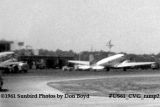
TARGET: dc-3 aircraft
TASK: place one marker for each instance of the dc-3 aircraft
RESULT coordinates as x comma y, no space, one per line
9,64
115,61
5,57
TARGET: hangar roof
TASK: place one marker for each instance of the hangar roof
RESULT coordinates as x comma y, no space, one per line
5,42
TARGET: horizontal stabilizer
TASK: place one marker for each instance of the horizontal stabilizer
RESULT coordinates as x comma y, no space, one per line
133,64
6,53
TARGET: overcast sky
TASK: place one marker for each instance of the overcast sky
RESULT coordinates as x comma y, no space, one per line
132,25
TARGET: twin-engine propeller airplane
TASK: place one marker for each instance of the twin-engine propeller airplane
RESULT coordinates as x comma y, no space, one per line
115,61
8,63
6,57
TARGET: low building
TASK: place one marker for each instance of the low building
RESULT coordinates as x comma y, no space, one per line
32,57
47,61
5,45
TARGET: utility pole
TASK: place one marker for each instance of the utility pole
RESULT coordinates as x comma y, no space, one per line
109,45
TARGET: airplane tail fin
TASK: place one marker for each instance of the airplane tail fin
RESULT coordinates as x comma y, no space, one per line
91,59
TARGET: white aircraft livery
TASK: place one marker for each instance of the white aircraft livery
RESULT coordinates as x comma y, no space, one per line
115,61
5,57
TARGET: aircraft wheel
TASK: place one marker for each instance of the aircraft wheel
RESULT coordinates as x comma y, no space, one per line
16,70
124,69
25,71
107,69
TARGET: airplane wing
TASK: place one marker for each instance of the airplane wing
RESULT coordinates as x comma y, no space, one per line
79,62
2,54
4,59
133,64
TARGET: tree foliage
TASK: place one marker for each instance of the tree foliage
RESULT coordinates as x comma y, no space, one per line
98,55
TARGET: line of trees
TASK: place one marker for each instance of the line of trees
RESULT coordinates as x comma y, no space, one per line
97,54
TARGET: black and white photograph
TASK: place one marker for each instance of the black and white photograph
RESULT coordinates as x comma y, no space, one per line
79,53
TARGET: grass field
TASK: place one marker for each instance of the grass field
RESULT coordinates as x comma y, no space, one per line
101,87
104,87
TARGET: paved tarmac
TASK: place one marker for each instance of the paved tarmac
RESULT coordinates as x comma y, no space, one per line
27,84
